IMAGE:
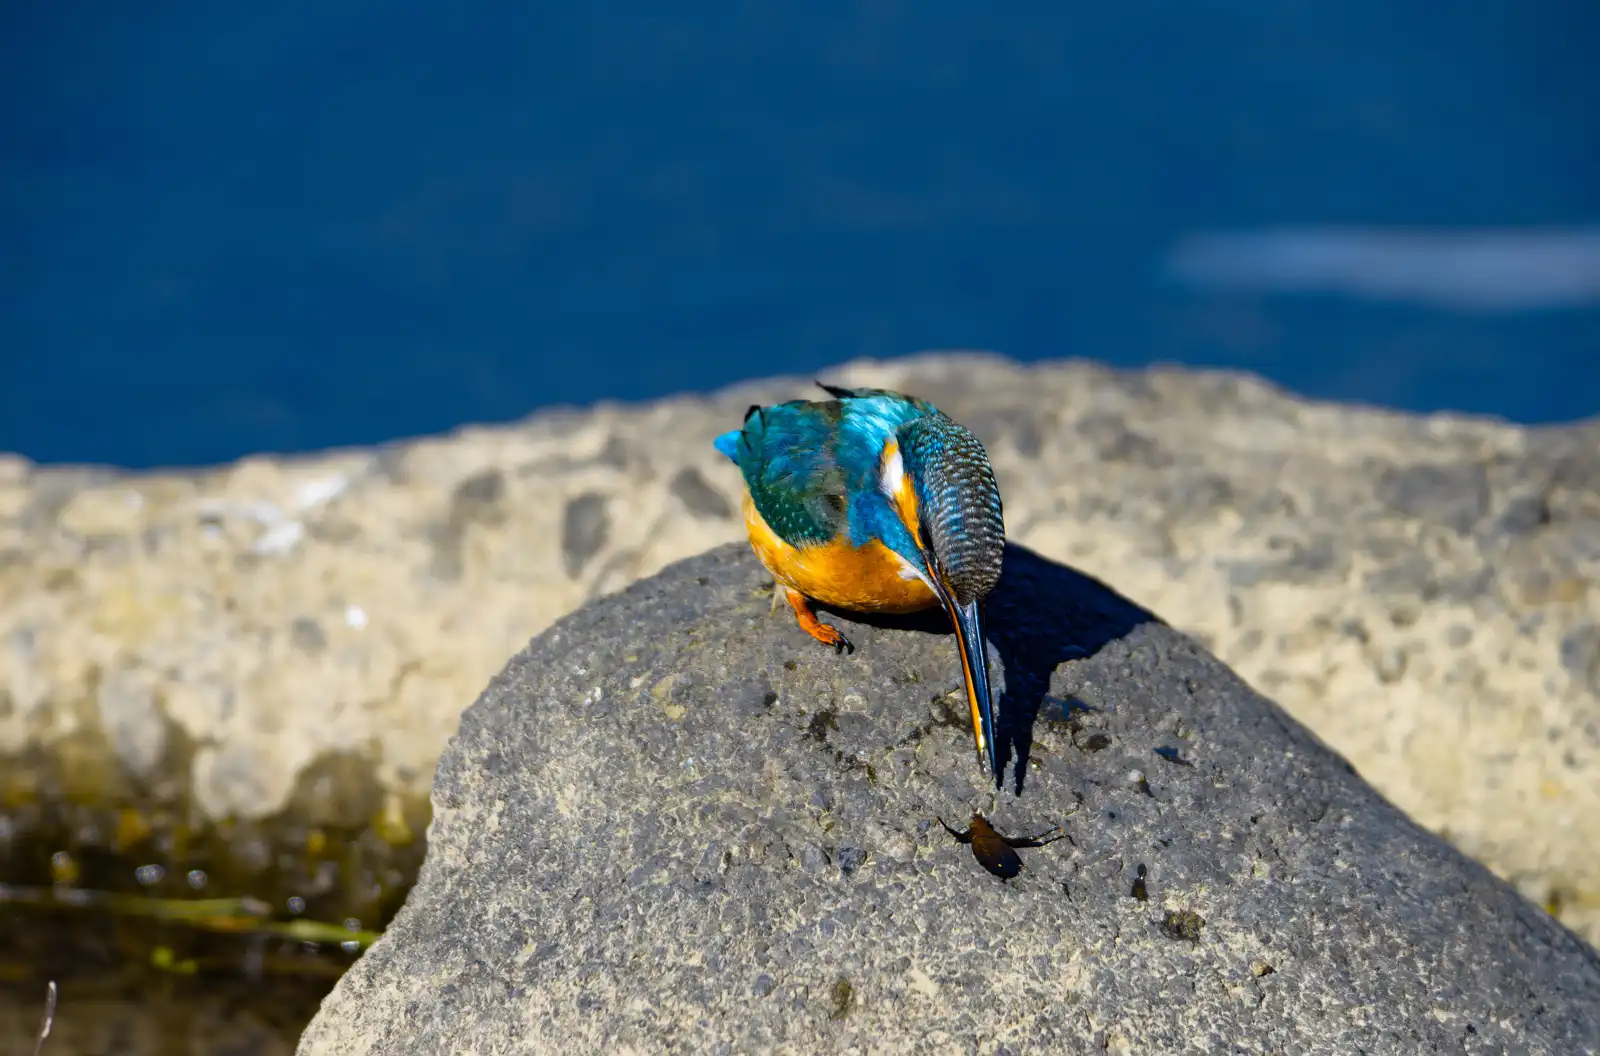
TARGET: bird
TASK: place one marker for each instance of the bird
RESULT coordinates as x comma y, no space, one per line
875,501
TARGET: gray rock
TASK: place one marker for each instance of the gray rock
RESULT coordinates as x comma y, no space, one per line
676,824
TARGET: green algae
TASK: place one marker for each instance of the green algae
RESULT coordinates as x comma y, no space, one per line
152,917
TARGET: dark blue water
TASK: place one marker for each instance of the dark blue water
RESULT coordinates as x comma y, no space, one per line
240,227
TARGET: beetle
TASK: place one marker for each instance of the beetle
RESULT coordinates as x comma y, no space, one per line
995,852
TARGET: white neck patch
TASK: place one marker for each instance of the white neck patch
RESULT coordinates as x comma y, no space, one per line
894,474
890,482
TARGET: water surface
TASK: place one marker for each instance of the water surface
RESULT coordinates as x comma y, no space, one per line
282,227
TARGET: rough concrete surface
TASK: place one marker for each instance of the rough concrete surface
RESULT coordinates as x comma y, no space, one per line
300,635
676,824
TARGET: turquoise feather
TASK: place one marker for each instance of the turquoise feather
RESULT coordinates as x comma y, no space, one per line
813,467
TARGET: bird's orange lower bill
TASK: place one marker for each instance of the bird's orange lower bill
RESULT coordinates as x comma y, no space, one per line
972,644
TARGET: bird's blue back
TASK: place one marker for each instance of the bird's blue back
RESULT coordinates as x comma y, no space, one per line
812,466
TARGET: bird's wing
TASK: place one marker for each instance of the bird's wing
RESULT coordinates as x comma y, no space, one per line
787,455
840,393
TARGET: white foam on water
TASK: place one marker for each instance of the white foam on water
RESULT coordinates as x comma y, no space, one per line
1485,270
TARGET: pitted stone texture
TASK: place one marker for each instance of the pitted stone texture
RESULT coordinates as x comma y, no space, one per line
1420,591
668,827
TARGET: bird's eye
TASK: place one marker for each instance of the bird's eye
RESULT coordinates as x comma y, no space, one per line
836,501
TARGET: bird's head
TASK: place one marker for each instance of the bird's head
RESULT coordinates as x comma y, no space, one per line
937,477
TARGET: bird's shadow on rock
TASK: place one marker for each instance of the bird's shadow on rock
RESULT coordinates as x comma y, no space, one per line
1040,615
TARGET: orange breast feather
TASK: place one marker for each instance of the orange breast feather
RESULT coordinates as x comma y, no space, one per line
865,578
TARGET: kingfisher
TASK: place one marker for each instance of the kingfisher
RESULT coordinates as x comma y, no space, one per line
874,501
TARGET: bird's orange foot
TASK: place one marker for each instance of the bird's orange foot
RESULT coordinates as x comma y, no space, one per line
813,626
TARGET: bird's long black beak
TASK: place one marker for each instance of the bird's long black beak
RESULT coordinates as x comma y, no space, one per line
972,645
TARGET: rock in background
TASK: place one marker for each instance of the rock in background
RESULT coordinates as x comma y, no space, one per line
295,639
